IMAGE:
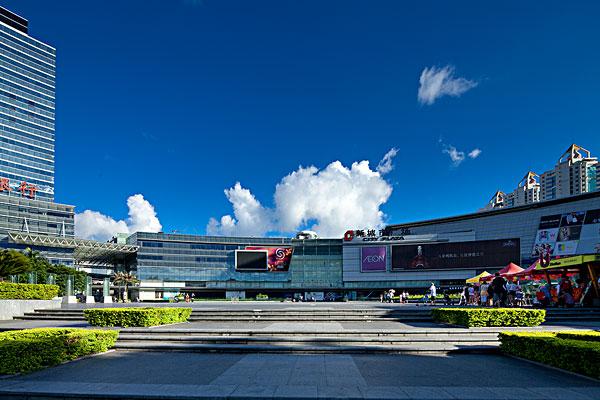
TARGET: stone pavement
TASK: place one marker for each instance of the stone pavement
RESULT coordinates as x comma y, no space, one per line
284,376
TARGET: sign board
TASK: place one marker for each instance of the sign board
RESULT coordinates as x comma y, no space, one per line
373,258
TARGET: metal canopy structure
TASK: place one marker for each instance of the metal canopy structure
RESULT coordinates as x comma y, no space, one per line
85,251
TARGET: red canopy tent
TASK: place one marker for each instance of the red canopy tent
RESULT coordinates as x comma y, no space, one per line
510,269
507,272
530,273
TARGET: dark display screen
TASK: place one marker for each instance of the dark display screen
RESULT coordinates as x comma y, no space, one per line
247,260
475,254
550,221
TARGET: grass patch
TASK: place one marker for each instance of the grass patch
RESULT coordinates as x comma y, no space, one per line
136,316
29,350
480,317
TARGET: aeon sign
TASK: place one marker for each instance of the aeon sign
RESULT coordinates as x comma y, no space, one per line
373,259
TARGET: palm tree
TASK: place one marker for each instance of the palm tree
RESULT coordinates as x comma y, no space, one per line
13,262
124,278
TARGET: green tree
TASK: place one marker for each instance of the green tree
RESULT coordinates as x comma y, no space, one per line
124,279
62,273
43,268
13,262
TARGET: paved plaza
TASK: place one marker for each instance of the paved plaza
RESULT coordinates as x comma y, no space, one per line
186,374
284,376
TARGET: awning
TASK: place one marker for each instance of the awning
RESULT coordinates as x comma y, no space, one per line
89,252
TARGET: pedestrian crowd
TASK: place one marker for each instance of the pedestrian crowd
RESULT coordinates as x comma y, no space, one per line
501,292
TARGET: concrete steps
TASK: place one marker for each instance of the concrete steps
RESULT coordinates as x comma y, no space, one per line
554,315
308,315
305,341
436,348
572,314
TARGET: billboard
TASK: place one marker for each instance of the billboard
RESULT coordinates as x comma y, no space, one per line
589,240
373,259
474,254
251,260
279,258
576,232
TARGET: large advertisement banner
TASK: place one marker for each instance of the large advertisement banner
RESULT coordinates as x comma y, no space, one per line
373,259
474,254
567,234
589,240
279,258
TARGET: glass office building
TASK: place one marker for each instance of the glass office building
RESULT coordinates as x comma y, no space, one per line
27,100
168,263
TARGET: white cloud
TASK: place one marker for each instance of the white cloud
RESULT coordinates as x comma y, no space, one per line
456,156
475,153
251,219
328,201
385,165
94,225
437,82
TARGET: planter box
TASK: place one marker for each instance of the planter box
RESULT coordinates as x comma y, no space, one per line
15,308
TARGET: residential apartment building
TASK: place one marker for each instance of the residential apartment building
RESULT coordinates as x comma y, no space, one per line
575,173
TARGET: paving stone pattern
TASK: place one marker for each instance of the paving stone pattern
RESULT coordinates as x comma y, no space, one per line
288,376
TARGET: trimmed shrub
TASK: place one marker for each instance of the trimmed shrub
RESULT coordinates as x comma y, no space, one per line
27,291
589,336
32,349
578,356
477,317
136,316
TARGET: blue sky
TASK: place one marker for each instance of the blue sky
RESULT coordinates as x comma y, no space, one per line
179,100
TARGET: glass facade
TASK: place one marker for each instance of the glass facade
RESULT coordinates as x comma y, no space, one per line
209,262
27,93
27,98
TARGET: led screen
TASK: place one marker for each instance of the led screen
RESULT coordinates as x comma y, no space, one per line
250,260
279,257
474,254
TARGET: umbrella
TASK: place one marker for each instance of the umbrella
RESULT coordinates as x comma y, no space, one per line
476,279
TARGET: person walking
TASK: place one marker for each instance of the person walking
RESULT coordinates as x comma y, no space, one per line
483,293
499,286
471,295
463,299
432,293
512,292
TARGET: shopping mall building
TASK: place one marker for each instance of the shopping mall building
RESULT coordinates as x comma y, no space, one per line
406,256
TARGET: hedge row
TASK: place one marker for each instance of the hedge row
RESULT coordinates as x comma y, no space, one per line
27,291
578,356
590,336
476,317
32,349
141,316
